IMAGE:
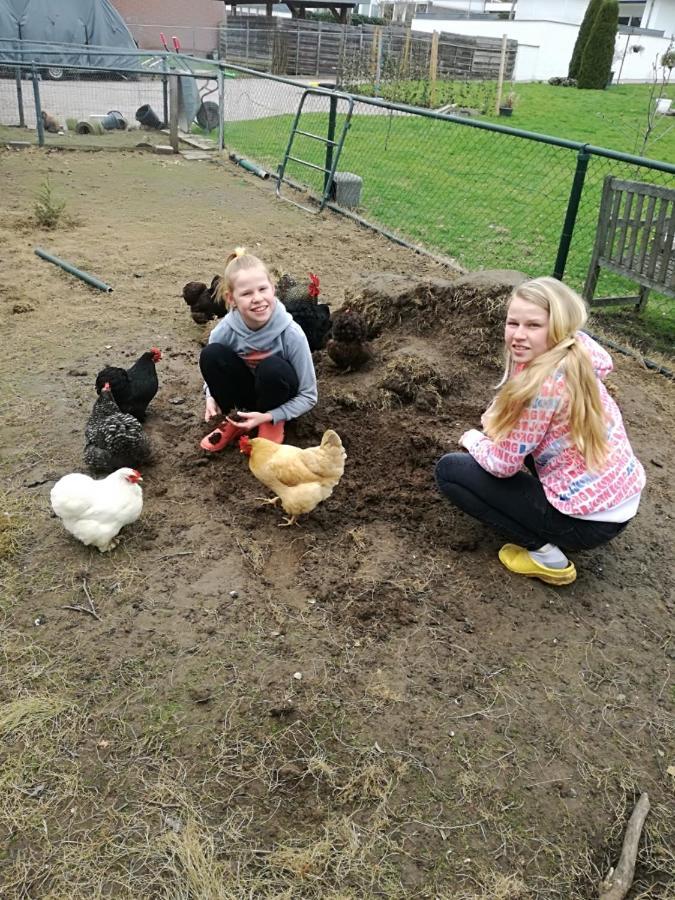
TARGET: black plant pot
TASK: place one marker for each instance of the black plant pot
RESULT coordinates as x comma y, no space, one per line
505,110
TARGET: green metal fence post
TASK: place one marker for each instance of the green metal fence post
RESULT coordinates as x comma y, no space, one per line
38,107
583,157
332,116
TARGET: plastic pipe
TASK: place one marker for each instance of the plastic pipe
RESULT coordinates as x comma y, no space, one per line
249,166
78,273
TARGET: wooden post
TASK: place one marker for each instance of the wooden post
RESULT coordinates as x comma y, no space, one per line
173,112
38,108
19,98
378,62
405,57
433,69
374,51
500,77
221,109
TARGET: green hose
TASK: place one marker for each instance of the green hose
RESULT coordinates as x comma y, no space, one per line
249,166
78,273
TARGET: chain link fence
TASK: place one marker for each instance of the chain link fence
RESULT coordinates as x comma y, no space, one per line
486,196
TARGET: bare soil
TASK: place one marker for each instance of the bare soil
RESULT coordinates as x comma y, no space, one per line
367,705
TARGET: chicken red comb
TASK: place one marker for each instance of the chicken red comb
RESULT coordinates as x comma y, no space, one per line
245,445
156,354
314,285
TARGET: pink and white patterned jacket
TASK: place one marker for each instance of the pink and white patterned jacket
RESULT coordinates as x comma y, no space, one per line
543,431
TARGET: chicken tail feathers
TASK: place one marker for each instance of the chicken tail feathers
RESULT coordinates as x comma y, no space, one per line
331,439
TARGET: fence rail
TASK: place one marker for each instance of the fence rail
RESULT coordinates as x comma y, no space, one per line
485,194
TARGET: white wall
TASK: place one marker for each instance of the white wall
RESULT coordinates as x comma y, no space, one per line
545,48
560,11
638,66
662,16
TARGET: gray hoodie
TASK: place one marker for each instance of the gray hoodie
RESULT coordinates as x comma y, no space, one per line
280,336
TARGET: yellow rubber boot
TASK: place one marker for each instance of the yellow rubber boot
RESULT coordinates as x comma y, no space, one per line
518,560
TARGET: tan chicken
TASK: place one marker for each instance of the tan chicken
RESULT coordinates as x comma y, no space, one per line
300,478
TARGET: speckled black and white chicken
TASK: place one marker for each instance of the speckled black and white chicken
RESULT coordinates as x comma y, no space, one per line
205,302
348,347
301,301
113,439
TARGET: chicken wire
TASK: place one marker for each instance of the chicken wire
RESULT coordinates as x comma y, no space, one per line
481,196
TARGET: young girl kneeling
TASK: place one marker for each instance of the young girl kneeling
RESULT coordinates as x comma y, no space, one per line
553,414
257,359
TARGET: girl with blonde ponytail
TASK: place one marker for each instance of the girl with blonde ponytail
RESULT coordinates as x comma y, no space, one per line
257,366
553,415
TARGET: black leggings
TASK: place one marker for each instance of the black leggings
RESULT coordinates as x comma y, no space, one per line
233,385
517,506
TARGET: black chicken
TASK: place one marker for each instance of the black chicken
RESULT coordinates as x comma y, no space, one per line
204,302
313,318
113,439
132,388
301,301
347,347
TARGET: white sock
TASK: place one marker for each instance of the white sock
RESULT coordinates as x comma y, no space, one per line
551,556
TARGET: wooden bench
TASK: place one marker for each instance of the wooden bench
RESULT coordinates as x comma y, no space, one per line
635,238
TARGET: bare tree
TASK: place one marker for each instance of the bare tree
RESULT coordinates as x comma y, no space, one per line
662,70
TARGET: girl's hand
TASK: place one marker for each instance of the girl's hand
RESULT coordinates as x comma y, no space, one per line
250,420
212,409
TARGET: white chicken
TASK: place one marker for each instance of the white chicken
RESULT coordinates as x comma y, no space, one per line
95,510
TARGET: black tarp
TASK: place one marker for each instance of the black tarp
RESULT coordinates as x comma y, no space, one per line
32,30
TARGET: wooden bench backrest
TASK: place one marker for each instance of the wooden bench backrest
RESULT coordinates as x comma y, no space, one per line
636,233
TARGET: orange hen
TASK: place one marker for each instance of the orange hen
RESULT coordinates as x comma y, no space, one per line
300,478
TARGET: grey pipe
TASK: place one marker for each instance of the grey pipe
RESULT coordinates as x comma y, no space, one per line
78,273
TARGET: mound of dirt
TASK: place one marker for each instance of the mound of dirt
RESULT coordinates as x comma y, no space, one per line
425,304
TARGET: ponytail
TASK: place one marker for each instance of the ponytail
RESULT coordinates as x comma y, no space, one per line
237,260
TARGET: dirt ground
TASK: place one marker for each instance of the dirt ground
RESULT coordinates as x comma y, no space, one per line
367,705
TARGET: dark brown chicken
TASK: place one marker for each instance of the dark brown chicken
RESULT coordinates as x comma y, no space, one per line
347,347
205,302
132,388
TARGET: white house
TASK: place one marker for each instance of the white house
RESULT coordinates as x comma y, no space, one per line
546,32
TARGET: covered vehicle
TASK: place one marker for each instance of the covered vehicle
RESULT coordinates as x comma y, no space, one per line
57,34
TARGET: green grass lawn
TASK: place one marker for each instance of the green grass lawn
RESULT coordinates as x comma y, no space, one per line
615,118
488,199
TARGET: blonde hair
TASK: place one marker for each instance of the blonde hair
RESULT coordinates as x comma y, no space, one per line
238,260
566,316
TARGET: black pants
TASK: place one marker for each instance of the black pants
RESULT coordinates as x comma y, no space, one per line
517,506
233,385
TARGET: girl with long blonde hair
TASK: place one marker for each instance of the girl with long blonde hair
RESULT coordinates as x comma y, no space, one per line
257,366
553,416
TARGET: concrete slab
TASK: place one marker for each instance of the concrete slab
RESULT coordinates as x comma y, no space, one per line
196,154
